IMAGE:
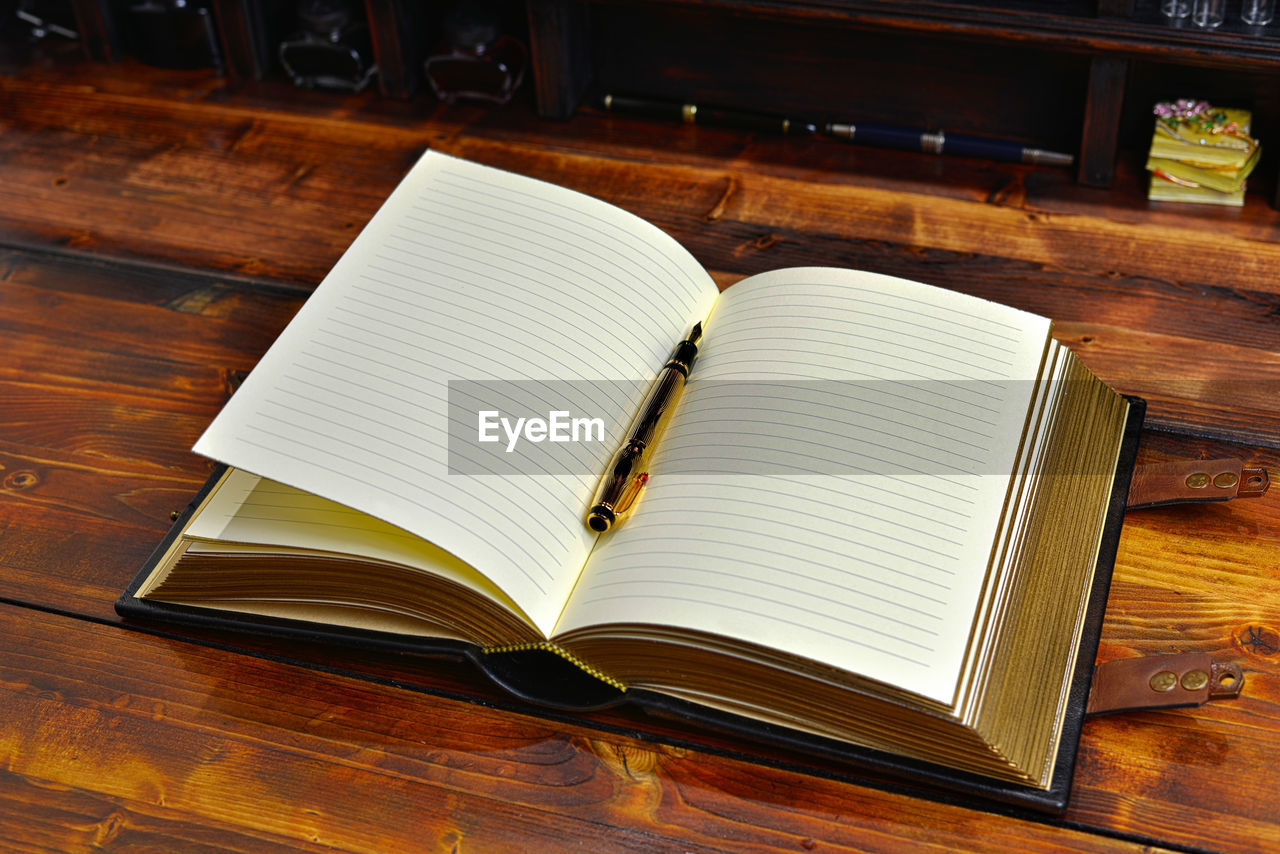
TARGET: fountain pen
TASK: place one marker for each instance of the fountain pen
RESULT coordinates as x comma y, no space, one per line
705,115
940,142
628,470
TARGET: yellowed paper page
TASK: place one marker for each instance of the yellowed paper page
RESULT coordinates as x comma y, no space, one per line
247,509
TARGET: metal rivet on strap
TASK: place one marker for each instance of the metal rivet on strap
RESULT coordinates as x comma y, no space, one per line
1226,480
1199,480
1164,681
1194,680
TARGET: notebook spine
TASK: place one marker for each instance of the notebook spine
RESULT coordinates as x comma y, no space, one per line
563,653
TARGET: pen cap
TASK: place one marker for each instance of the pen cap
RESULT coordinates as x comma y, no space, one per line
682,357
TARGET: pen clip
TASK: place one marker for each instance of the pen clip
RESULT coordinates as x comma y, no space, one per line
632,493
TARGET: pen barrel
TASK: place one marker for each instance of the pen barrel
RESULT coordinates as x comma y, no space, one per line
657,408
697,114
628,468
751,121
977,146
643,107
940,142
885,136
619,487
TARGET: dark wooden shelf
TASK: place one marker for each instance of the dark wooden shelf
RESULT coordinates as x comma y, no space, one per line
1066,75
1058,77
1067,26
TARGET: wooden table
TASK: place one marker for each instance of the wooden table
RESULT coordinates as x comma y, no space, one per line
157,232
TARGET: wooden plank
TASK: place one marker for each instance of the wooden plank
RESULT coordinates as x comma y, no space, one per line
1223,314
161,739
178,332
241,188
82,510
90,423
149,284
197,193
96,417
1191,578
139,494
246,55
1198,593
1223,390
1176,247
560,48
398,34
37,816
1182,309
99,35
1104,102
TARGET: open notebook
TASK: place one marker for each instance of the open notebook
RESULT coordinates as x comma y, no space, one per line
876,519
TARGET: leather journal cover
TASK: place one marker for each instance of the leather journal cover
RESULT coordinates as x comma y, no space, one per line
542,683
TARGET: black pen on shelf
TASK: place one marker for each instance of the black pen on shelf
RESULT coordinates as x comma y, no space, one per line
941,142
628,470
706,115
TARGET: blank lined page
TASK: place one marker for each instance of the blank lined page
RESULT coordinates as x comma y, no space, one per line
466,273
833,481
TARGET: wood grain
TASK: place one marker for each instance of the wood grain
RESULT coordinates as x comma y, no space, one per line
156,233
1207,292
263,172
146,740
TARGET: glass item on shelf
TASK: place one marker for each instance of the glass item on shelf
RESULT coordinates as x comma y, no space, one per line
1257,13
173,33
333,50
1208,13
1175,8
476,62
44,18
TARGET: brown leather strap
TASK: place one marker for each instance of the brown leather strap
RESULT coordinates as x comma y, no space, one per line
1161,682
1155,484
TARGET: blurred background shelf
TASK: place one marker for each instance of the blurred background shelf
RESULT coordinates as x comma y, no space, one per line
1078,76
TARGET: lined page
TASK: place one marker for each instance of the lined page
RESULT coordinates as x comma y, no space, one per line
466,274
833,481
